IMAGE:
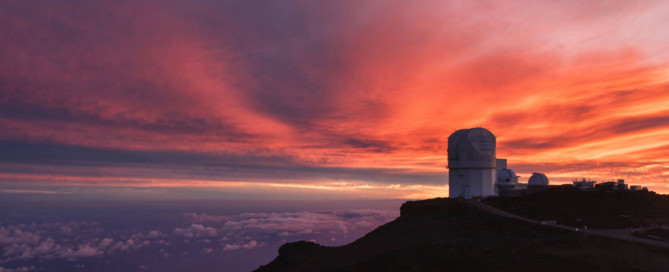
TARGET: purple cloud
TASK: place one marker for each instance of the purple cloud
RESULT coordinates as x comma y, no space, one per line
249,245
196,230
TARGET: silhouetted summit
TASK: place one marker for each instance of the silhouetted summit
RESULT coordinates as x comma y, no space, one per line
456,235
595,209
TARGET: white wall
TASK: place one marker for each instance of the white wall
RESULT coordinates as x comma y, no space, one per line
470,182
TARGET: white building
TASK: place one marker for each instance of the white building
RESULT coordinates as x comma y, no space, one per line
506,176
474,170
584,184
472,163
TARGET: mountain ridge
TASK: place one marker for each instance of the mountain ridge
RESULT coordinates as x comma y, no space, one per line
452,234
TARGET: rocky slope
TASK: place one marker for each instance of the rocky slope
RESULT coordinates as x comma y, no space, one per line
452,235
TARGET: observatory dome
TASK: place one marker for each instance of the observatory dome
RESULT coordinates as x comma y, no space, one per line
506,176
538,179
472,148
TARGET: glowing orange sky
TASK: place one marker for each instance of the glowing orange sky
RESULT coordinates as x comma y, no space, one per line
341,95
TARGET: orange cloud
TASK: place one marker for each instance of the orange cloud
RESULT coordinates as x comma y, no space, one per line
345,90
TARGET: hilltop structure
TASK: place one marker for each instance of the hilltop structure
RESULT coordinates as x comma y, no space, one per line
475,170
619,185
472,163
584,184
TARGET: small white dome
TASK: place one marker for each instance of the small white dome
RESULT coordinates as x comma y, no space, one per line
538,179
506,176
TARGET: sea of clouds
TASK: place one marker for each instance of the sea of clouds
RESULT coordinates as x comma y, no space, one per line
172,240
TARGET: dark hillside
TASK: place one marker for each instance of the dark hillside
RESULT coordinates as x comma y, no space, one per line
452,235
595,209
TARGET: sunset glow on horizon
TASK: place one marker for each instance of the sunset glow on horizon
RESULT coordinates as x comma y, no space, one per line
351,99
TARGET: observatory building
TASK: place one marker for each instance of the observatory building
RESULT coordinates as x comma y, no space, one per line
474,170
537,182
538,179
472,163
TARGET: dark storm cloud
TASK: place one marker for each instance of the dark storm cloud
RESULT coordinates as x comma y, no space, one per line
290,58
58,154
87,65
371,145
83,63
191,165
167,122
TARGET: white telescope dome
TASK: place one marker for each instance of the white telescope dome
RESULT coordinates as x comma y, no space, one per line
538,179
507,176
472,148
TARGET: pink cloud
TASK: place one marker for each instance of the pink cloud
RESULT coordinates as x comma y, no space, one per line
380,90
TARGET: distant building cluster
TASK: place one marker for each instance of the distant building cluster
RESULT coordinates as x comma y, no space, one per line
475,170
619,185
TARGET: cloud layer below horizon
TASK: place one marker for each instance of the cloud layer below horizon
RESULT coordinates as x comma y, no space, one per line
329,95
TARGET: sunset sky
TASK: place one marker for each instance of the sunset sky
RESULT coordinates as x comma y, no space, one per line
339,99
